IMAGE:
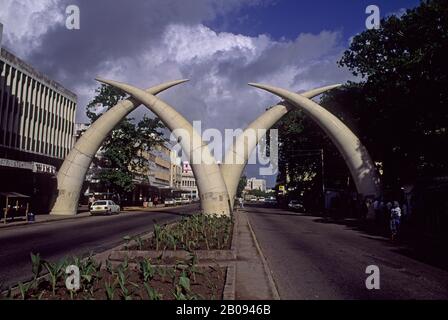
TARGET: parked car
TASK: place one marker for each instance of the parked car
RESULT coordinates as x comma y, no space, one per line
178,201
170,202
271,202
186,201
107,207
296,206
261,199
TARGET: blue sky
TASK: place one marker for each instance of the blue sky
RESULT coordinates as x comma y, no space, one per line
287,18
219,45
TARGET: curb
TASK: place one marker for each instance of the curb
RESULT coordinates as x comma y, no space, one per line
229,292
21,224
79,216
268,271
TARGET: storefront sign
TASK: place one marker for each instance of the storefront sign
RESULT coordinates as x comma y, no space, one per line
16,164
33,166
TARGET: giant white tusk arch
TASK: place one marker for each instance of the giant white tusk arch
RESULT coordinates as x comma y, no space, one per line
239,152
73,171
212,188
353,151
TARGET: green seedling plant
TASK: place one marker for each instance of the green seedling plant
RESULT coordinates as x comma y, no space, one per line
162,273
110,290
139,242
36,265
147,270
122,280
24,289
157,232
152,293
183,288
192,269
109,267
54,271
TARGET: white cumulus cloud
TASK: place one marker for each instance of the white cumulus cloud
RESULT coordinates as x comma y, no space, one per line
26,21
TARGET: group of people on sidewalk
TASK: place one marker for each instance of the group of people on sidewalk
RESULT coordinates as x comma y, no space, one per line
392,212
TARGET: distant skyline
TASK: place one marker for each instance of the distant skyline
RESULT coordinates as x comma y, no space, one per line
219,45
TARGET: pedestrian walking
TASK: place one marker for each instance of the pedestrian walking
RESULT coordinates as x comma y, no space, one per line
91,201
241,203
395,216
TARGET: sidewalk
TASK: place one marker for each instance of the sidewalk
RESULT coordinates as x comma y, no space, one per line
253,276
81,214
41,219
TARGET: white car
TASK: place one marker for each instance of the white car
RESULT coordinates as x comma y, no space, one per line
104,207
170,202
186,201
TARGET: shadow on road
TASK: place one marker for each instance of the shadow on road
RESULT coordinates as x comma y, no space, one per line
411,243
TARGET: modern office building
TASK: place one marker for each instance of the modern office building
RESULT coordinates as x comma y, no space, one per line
36,130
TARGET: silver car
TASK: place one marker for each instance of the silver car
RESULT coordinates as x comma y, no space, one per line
107,207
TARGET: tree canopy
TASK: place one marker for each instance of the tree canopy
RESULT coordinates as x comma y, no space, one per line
122,153
398,108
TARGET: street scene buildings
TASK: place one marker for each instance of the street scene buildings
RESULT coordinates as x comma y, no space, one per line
122,180
37,117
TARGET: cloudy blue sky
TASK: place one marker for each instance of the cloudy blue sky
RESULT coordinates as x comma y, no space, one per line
219,45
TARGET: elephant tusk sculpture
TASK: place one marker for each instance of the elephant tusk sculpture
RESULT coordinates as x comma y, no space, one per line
217,185
238,154
353,151
72,173
212,189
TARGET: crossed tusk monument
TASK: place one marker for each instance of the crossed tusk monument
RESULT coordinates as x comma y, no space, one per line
217,185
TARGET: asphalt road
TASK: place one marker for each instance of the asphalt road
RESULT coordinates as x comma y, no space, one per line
57,239
313,259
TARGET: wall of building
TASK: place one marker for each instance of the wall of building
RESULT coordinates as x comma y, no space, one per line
37,114
37,118
256,184
189,187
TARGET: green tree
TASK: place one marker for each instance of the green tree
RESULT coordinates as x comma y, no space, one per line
400,107
122,157
241,185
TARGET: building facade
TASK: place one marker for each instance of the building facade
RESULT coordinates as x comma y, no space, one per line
152,181
256,184
176,171
37,118
189,187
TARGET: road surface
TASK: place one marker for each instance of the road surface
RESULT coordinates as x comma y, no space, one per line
57,239
313,259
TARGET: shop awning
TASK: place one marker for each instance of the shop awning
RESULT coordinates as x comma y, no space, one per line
13,195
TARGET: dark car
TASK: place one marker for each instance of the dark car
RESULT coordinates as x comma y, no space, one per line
296,206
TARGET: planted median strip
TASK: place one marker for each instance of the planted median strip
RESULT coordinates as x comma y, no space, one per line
146,270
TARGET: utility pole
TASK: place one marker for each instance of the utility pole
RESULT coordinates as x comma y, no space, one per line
1,35
323,176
